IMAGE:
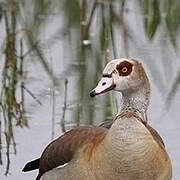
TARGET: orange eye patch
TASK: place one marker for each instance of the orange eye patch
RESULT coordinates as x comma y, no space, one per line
124,68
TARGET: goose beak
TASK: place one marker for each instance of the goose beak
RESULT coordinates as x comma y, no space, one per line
104,85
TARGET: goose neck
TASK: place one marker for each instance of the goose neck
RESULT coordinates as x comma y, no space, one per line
136,101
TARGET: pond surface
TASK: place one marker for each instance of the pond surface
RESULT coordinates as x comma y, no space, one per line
77,68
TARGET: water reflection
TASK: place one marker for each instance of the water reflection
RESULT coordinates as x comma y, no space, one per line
67,44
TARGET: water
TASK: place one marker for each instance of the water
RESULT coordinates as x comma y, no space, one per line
82,67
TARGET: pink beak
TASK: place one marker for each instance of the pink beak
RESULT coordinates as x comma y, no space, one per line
104,85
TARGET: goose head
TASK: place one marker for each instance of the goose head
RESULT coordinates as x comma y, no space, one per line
128,77
123,75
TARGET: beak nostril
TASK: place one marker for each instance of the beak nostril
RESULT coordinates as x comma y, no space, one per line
104,83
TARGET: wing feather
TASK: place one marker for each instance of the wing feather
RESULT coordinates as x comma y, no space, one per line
61,150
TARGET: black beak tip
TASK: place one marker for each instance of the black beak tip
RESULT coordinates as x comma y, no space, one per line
92,93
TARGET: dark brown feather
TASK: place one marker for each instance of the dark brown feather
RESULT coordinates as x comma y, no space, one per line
61,150
31,165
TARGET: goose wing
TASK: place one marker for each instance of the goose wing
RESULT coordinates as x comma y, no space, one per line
62,150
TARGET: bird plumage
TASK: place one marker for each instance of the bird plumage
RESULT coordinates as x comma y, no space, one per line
125,148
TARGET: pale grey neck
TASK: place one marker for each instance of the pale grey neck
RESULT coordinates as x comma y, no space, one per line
137,101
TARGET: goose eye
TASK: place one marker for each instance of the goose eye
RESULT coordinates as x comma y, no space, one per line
124,68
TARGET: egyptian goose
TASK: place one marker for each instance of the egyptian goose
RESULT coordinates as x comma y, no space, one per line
125,149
